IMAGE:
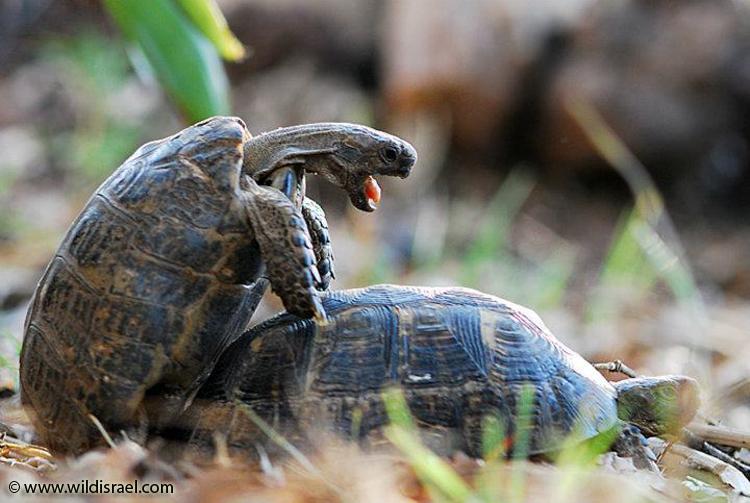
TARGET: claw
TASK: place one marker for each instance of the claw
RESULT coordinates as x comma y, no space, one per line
319,314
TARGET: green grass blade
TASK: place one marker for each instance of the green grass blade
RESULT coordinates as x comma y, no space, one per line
278,439
625,260
666,262
499,216
211,22
522,441
651,226
492,237
524,417
428,466
185,62
625,267
398,410
493,438
551,279
577,459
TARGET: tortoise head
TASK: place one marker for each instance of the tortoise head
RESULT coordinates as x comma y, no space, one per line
658,405
347,155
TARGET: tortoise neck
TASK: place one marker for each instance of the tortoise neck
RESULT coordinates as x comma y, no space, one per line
268,151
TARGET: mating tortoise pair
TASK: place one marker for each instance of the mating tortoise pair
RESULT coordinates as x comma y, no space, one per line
160,274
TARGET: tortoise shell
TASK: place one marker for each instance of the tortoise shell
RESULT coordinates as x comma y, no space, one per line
152,281
459,355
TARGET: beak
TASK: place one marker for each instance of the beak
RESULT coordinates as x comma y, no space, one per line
407,161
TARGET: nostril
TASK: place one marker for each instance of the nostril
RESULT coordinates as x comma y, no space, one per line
406,161
403,170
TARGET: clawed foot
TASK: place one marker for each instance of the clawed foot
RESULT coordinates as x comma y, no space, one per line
287,250
631,443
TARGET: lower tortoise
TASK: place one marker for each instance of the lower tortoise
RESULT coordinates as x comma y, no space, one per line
459,356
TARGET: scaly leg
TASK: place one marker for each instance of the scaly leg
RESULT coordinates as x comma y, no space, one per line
286,249
631,443
321,241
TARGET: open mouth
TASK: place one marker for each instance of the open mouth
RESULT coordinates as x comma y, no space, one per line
372,192
365,194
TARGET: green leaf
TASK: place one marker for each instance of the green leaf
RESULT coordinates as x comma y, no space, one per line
211,22
185,62
499,217
649,228
428,466
397,409
493,438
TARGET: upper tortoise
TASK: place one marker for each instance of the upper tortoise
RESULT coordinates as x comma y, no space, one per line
459,355
166,263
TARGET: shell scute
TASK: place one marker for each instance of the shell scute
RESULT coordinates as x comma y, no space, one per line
152,281
458,355
97,235
68,305
180,245
437,354
131,300
357,358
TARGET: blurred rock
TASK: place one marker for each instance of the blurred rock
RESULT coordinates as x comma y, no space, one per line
16,286
338,36
667,89
23,154
31,93
133,102
721,255
445,57
610,461
296,93
11,335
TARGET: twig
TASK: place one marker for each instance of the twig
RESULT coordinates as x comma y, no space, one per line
616,366
101,429
15,452
221,457
692,458
31,450
714,451
279,439
721,435
695,442
736,391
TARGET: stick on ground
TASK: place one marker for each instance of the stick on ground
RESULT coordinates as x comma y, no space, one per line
616,366
721,435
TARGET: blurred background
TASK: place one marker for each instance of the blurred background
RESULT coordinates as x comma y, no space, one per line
588,159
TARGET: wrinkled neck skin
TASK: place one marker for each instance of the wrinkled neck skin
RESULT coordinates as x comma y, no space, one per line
295,145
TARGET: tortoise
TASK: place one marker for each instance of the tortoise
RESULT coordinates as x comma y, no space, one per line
168,260
459,355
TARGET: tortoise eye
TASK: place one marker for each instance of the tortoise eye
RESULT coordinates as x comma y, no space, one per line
389,154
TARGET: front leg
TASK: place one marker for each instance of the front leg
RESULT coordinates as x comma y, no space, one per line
631,443
321,241
291,182
286,249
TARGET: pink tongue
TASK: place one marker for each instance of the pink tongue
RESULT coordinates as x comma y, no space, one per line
372,189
